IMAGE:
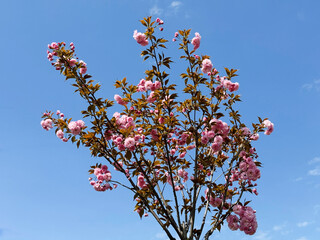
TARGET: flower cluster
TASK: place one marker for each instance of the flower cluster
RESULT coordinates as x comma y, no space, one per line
52,52
103,177
213,200
229,85
141,38
119,100
75,127
269,125
144,85
247,169
246,221
206,66
46,124
196,41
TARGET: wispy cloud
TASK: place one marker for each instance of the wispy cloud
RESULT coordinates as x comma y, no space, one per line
159,9
175,4
155,10
314,85
277,227
282,228
315,171
298,179
303,224
161,235
316,208
302,238
314,160
261,235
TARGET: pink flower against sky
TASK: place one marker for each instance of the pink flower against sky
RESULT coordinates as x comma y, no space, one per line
141,38
206,66
196,41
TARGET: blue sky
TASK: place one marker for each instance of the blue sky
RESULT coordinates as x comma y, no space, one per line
43,182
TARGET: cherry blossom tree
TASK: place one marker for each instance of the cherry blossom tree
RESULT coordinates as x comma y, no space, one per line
186,156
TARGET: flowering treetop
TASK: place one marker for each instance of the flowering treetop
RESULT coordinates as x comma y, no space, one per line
184,155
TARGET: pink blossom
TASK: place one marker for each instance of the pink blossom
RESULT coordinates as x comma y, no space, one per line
53,45
215,202
229,85
233,87
154,134
254,137
46,124
204,139
161,120
158,20
141,38
245,131
269,125
157,85
76,127
169,180
83,68
206,65
151,98
196,41
107,176
72,46
190,147
218,139
148,85
183,174
176,34
60,134
172,151
182,154
72,62
141,183
97,171
104,168
129,142
119,100
233,222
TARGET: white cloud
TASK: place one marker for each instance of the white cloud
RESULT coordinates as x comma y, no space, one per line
298,179
161,236
302,238
175,4
315,171
283,229
155,10
314,85
277,228
303,224
307,86
316,208
262,236
314,160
